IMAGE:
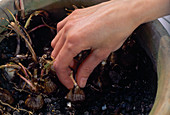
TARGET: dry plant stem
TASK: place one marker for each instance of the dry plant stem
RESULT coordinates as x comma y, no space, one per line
18,45
29,19
82,7
10,66
10,33
68,10
22,9
37,27
74,82
4,77
12,15
24,70
8,105
18,57
47,24
30,112
29,72
17,30
5,27
17,5
42,73
35,73
28,36
18,109
21,90
75,7
27,81
28,22
17,23
24,86
94,87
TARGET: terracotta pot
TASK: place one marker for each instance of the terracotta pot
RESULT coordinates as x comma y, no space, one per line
152,36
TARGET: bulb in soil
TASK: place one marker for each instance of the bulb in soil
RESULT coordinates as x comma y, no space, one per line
5,96
34,103
75,94
49,86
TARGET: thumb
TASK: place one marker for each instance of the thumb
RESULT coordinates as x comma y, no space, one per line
88,66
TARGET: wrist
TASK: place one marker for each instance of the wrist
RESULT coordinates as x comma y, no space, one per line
133,10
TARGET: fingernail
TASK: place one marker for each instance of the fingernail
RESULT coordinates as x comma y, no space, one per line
83,82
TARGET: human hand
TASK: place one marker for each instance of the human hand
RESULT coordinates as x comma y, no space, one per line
103,28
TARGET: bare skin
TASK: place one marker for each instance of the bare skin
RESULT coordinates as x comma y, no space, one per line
103,28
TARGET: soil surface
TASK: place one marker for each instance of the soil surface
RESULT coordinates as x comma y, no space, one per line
124,84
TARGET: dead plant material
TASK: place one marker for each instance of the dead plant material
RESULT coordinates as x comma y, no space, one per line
36,13
27,81
18,31
18,109
34,102
75,94
5,96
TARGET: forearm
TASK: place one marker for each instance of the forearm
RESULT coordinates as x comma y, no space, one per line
149,10
139,11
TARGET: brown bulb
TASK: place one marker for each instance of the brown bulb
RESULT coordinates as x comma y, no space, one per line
34,103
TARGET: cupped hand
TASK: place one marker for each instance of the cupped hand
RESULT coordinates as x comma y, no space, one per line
103,28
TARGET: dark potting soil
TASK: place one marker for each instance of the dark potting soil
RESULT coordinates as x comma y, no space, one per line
124,84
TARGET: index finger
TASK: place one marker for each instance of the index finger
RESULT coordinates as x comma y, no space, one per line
62,63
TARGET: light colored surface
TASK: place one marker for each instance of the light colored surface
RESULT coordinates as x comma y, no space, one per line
165,21
162,101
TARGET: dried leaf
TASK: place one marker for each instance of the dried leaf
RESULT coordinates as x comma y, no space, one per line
18,31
